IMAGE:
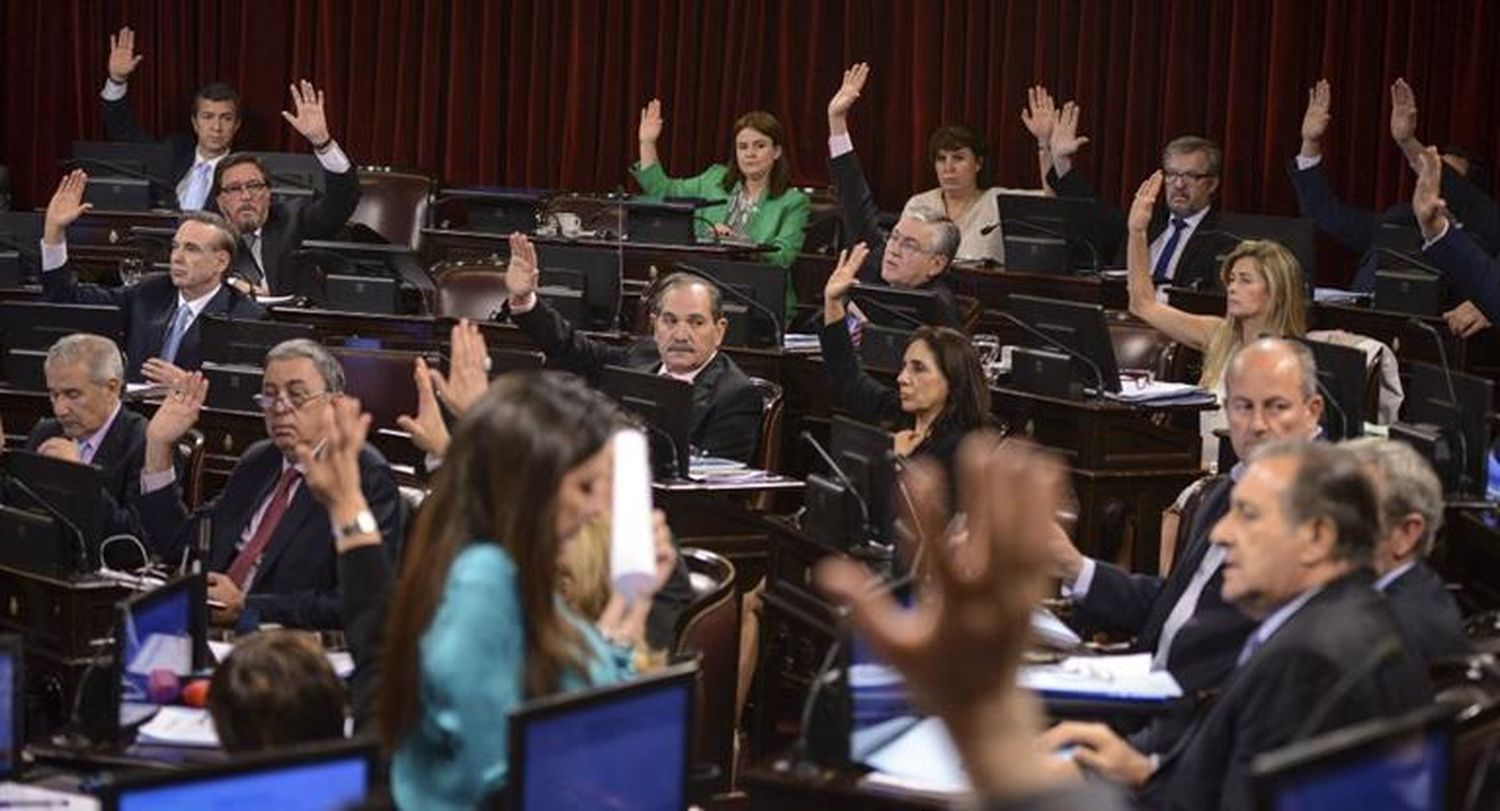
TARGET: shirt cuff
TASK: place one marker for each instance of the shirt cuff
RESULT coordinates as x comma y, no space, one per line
113,90
1079,588
54,256
1304,163
431,462
333,159
152,482
524,307
1425,243
840,145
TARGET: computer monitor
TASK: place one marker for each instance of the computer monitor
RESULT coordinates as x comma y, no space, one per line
1296,234
1078,326
12,704
661,221
326,259
127,176
39,324
900,307
595,271
382,380
626,746
36,542
244,341
72,490
362,294
20,251
318,777
884,348
763,283
1396,244
1341,380
233,386
162,630
866,453
500,210
293,174
665,406
1386,763
1462,418
1074,220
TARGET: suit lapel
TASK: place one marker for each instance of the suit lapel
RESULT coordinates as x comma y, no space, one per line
703,392
303,509
236,509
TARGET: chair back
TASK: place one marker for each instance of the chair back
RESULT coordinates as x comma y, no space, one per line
768,452
190,451
473,290
393,203
710,628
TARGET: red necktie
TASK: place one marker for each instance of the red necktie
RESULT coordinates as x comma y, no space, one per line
249,556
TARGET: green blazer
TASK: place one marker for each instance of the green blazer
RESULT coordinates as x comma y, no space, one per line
778,221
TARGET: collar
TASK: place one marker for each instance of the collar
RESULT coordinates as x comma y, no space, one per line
93,440
687,377
1192,221
197,305
213,163
1384,581
1271,624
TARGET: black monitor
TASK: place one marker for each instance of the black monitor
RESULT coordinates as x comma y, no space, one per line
1075,220
760,282
662,221
1342,372
1296,234
245,341
61,489
324,777
884,348
1397,245
157,632
26,369
127,176
293,174
362,294
326,260
626,746
39,324
1462,418
232,386
664,405
1078,326
20,247
36,542
12,705
1385,763
900,307
500,210
595,271
866,453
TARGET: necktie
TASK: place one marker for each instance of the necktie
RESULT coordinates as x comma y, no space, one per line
196,193
1187,604
1163,262
180,322
249,557
85,451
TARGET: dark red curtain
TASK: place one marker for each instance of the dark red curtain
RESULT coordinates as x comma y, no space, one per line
545,93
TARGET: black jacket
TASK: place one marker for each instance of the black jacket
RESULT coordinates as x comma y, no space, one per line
1427,614
120,455
120,124
290,222
1474,275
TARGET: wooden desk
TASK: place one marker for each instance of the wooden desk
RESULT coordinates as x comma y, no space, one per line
98,240
994,286
637,259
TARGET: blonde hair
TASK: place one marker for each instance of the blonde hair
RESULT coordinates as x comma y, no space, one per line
583,582
1287,317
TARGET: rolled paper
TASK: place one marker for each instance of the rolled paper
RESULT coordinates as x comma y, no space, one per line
632,550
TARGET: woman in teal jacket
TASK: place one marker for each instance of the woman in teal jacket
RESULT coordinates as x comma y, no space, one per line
752,198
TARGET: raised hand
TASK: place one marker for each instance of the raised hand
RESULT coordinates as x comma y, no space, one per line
331,468
1039,116
1144,203
1426,200
521,272
1065,138
468,369
1404,116
310,119
65,206
175,416
428,431
1315,120
162,373
841,280
122,56
651,122
848,92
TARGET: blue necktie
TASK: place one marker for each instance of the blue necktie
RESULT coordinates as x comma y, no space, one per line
1159,273
196,193
180,322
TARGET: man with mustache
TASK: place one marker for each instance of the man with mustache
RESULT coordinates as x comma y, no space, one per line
688,325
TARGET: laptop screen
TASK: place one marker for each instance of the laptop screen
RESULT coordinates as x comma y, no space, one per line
1407,774
155,633
622,748
10,705
326,785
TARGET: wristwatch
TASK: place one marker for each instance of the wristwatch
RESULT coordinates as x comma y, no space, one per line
364,523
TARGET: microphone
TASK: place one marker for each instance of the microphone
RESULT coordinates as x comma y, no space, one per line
865,301
1072,239
739,296
80,550
1056,344
859,498
1333,405
123,170
1400,256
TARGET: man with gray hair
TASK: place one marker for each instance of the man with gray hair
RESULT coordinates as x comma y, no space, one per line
270,556
89,425
1411,513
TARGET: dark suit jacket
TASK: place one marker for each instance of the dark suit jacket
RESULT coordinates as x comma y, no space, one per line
1198,264
1473,274
120,455
1427,614
148,308
726,407
861,220
120,124
297,582
1355,227
1344,629
290,222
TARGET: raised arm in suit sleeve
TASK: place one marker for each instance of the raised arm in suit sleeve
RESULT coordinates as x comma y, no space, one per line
1475,208
1350,226
1472,272
120,123
322,218
61,285
855,391
1108,228
858,210
656,183
791,229
566,346
1118,600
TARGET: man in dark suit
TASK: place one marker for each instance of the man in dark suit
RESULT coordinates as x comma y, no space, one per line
1355,228
215,120
1183,619
920,248
89,425
270,230
162,311
1411,513
270,556
1473,273
688,324
1326,652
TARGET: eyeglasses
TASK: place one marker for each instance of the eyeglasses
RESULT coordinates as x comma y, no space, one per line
1170,176
294,400
250,189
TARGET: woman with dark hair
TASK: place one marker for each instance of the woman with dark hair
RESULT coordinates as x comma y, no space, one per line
751,195
941,392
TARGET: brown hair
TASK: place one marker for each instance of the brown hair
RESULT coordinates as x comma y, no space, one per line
1287,317
953,137
498,484
275,689
781,171
968,403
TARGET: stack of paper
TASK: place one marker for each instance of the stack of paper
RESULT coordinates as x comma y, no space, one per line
1133,391
179,726
1111,678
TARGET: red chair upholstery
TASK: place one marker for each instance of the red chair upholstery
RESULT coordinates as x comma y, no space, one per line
393,204
710,629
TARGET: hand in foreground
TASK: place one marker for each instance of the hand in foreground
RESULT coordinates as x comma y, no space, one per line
1403,114
1039,116
522,273
1100,750
1065,138
1426,200
310,119
178,411
331,468
959,650
848,92
428,430
651,122
468,369
122,56
162,373
1315,119
65,206
1144,203
841,281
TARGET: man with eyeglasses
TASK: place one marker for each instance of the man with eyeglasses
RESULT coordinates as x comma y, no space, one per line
920,249
163,311
270,556
270,230
215,120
